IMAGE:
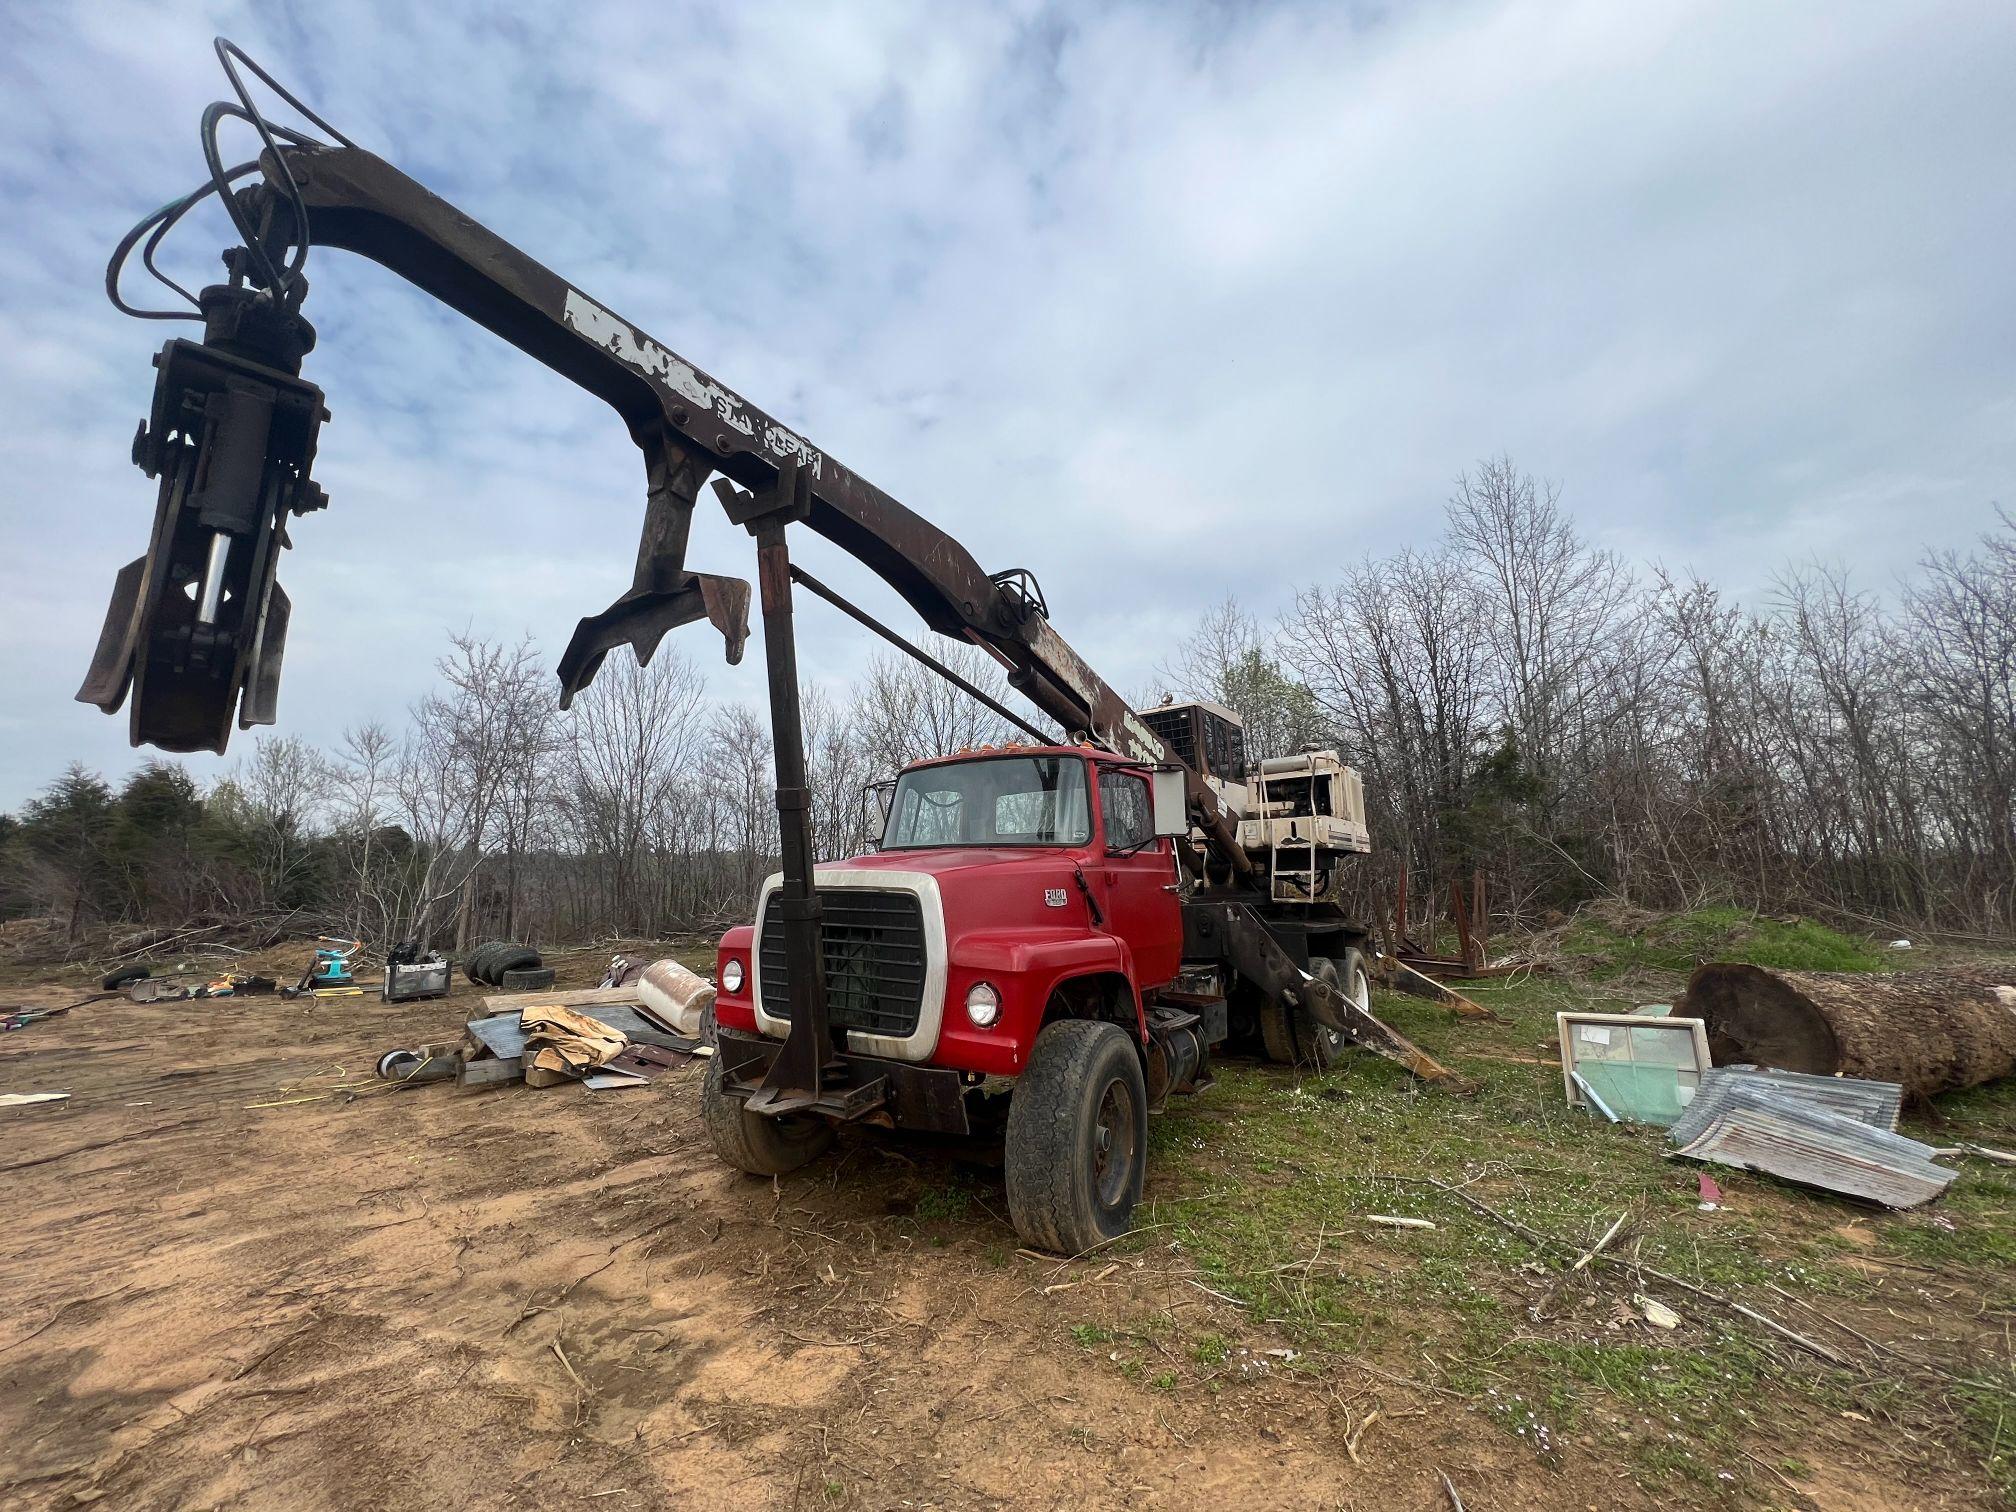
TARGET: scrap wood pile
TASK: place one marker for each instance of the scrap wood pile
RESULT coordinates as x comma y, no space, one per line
603,1037
57,940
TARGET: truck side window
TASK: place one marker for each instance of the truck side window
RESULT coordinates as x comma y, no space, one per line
1129,820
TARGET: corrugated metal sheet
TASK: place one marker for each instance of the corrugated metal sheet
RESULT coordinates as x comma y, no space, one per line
1875,1103
1758,1128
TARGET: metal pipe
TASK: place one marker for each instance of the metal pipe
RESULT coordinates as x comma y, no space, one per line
800,575
213,579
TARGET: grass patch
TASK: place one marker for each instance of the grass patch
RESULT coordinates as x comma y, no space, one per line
1211,1350
1262,1187
1609,947
1991,1420
946,1204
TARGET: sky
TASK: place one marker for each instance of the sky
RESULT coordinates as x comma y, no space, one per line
1163,302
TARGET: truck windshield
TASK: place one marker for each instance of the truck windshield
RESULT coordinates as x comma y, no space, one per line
1002,800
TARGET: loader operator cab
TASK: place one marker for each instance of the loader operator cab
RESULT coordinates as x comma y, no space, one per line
1208,738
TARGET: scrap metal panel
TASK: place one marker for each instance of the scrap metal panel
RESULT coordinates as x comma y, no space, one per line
1759,1130
1876,1103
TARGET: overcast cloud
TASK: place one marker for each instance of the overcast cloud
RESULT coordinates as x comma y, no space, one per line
1163,303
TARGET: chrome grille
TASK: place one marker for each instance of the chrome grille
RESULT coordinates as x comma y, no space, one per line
874,948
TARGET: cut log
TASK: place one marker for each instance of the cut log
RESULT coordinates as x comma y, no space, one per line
1931,1031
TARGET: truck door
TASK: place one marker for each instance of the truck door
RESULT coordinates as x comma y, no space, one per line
1137,879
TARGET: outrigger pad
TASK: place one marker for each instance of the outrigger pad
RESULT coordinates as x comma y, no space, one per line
640,619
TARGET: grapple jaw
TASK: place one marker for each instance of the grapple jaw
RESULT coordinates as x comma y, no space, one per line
197,627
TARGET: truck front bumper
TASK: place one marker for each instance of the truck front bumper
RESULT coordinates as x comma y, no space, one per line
926,1098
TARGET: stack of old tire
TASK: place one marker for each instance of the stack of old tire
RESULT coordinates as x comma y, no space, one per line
514,967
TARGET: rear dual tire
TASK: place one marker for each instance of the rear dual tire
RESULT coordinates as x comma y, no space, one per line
1293,1037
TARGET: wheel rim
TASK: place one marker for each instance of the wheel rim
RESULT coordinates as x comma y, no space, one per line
1359,991
1113,1140
1325,1044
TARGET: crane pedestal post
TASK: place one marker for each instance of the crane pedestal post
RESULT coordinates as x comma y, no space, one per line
809,1061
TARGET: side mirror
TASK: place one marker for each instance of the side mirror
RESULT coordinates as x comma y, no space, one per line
1170,799
883,792
874,817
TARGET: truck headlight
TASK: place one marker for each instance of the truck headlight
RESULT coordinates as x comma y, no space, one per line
983,1004
731,976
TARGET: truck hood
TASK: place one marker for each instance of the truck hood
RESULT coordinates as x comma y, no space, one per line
949,861
994,887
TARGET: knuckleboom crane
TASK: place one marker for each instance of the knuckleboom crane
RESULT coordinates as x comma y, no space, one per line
196,630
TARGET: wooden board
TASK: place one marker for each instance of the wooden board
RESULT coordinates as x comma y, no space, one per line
1405,978
579,997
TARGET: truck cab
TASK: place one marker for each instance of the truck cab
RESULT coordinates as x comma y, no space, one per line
1021,919
1011,885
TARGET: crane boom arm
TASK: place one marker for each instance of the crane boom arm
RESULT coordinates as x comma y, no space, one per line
360,202
689,425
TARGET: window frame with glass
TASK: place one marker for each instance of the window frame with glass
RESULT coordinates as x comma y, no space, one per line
1142,835
1059,791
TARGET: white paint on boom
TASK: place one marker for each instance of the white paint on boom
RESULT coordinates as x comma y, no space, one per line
623,341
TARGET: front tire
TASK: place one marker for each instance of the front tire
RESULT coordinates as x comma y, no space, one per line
752,1143
1077,1147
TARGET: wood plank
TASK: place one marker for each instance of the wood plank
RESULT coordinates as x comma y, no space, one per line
1406,979
579,997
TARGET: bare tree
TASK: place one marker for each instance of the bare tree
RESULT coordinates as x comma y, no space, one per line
377,853
464,744
837,770
1554,602
633,736
277,796
740,777
1961,618
1845,739
905,712
1394,656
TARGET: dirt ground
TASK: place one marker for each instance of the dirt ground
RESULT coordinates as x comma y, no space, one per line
243,1272
221,1295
